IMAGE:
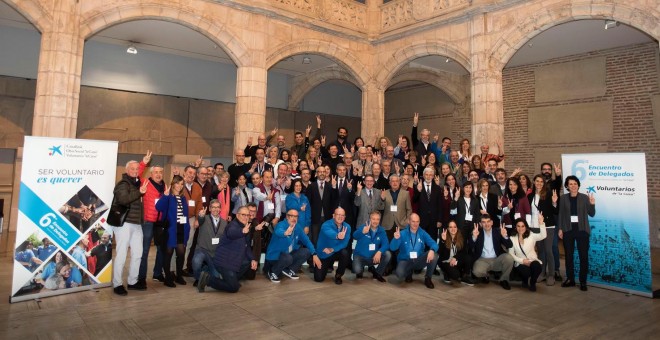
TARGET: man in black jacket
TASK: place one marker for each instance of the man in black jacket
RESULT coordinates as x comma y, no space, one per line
429,197
487,246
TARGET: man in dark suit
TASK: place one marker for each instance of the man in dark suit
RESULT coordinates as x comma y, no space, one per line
487,247
367,199
345,194
429,197
321,200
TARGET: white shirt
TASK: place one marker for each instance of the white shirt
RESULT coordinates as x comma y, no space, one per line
489,249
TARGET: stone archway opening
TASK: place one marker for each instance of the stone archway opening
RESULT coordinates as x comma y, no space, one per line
161,86
306,85
436,87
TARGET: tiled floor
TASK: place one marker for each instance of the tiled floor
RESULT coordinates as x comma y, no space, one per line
304,309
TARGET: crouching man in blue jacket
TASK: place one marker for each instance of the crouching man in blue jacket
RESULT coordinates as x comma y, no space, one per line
332,243
284,254
411,243
372,248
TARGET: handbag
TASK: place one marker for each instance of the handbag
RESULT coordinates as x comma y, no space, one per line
117,214
161,234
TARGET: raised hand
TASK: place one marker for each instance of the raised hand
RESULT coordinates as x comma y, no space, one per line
419,186
318,121
322,140
303,207
436,137
167,190
541,218
503,231
592,199
415,119
444,234
308,130
202,212
237,191
457,194
359,187
366,228
516,172
446,192
143,188
246,229
397,168
334,181
499,202
176,171
437,180
199,162
249,141
270,196
290,229
397,233
342,234
273,132
423,161
349,185
557,167
554,197
147,157
345,148
382,194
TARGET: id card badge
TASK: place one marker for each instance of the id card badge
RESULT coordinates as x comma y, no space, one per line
270,205
516,216
290,249
468,217
183,219
283,197
393,208
453,211
413,255
203,199
574,219
372,246
191,203
215,240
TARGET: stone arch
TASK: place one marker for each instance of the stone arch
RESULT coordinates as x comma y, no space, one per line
644,18
327,49
33,11
92,23
406,54
450,84
301,85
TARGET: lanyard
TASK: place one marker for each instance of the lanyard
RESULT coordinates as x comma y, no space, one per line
534,203
521,248
467,206
372,234
411,240
484,202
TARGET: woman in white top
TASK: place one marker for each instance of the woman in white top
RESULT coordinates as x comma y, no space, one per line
273,158
526,262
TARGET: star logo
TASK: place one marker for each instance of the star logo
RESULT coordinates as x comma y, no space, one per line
591,189
54,150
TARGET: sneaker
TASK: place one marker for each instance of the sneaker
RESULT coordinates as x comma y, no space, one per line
159,278
550,281
273,277
203,280
120,290
446,280
466,280
378,277
505,284
137,286
290,274
541,279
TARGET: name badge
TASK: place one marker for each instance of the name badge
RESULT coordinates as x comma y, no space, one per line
453,211
574,219
283,198
468,217
516,216
372,246
270,205
183,219
191,203
393,208
290,248
413,254
215,240
203,199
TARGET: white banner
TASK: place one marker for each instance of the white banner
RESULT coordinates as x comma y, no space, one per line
620,249
65,193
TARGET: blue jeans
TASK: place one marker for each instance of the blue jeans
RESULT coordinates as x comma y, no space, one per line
202,260
229,281
293,261
406,267
359,262
147,236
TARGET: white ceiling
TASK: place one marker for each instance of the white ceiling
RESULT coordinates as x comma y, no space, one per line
563,40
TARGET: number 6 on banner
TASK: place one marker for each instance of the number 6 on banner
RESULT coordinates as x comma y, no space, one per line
46,220
579,171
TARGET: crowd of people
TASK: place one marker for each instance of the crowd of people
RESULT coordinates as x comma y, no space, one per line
397,209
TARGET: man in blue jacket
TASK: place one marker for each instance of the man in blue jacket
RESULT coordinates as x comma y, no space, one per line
332,243
411,243
372,248
233,256
284,254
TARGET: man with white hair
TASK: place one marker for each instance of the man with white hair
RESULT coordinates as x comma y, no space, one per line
128,192
423,144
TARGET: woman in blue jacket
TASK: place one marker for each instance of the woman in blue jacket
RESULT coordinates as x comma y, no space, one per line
298,201
174,207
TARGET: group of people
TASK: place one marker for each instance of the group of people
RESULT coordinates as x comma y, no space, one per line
396,209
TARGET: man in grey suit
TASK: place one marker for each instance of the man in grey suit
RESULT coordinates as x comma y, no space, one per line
367,198
397,207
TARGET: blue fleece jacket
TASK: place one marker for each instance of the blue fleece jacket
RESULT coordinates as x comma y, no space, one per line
409,242
280,243
378,238
328,238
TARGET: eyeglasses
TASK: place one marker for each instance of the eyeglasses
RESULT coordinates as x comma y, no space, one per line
243,215
288,215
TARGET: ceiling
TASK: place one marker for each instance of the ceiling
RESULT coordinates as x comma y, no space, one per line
563,40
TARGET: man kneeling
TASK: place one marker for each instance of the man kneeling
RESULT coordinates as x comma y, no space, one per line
284,254
411,243
371,248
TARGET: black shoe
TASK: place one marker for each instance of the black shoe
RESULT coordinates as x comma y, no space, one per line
525,284
203,280
558,277
417,271
187,273
409,278
428,283
583,287
159,278
532,288
485,280
180,280
445,279
120,290
359,276
466,280
137,286
436,272
377,276
195,283
568,283
338,280
505,284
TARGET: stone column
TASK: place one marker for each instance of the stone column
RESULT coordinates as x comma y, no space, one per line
373,18
58,76
373,112
486,91
250,115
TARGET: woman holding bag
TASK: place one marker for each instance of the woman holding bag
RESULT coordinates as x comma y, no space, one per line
175,208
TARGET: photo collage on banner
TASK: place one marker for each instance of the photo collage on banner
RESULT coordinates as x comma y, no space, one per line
619,245
65,193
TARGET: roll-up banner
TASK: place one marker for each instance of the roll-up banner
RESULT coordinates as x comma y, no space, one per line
619,245
65,193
